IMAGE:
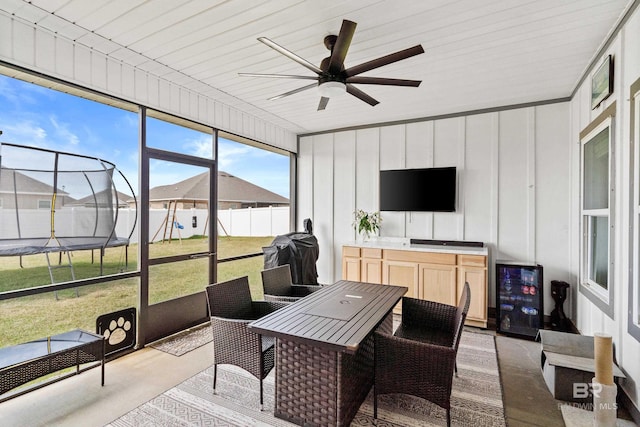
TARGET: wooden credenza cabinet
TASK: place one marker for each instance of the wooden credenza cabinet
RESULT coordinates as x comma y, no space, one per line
435,276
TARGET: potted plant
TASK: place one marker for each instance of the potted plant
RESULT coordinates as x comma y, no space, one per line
366,223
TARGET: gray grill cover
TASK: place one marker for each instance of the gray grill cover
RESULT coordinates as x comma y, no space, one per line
300,251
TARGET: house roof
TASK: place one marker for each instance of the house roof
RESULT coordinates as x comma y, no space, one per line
230,189
123,199
24,184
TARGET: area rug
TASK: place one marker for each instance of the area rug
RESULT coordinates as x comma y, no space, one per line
185,341
476,398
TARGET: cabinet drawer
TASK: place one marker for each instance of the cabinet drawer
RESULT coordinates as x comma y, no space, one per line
351,251
371,253
472,260
420,257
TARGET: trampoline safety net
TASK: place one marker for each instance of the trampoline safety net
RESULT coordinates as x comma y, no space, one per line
52,201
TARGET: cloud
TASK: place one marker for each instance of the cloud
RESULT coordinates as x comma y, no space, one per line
200,147
24,132
62,131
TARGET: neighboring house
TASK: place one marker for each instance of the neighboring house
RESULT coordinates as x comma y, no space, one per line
233,193
90,201
28,193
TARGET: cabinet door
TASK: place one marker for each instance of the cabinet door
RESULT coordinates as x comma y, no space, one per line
401,273
351,269
371,270
477,279
438,283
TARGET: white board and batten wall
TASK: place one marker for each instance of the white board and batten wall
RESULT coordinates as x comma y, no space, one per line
35,48
514,186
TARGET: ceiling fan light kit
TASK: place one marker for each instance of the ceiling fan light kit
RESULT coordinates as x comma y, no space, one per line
333,79
332,89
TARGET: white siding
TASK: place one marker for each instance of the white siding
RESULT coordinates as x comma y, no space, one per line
37,49
513,194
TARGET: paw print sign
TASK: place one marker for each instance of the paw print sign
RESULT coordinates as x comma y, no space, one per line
118,329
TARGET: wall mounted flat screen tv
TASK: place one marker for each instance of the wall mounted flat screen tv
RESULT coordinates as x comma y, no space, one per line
418,190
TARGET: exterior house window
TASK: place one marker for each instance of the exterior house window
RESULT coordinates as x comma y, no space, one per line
44,204
596,216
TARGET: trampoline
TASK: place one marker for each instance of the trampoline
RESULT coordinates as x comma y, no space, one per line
57,202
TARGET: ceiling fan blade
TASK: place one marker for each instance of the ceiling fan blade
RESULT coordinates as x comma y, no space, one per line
361,95
290,55
278,76
340,49
291,92
383,81
323,103
384,60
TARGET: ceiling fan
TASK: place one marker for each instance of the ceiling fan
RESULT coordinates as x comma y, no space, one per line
332,78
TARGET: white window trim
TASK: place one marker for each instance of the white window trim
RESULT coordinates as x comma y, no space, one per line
605,295
635,210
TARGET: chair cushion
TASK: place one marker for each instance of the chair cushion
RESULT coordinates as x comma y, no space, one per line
432,336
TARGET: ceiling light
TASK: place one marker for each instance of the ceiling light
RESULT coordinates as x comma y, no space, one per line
332,89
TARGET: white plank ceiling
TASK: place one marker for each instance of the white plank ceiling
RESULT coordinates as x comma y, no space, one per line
479,54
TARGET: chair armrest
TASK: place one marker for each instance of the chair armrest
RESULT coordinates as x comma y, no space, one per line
262,308
407,366
232,336
280,298
430,314
303,290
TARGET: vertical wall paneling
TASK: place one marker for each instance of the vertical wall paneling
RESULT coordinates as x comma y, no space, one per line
392,156
6,36
153,91
164,92
40,50
128,84
531,184
447,146
476,177
344,195
419,154
99,71
113,78
553,196
45,48
512,204
23,43
82,64
323,185
304,194
367,172
461,190
64,57
140,85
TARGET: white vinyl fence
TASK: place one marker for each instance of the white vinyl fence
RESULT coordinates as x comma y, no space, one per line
271,221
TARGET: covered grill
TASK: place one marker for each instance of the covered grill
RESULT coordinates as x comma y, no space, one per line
298,249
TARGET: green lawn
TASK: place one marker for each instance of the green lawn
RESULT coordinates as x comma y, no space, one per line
32,317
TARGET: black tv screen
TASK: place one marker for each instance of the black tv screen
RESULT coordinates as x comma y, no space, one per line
418,190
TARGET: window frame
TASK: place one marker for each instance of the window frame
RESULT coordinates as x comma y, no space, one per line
602,297
43,201
633,322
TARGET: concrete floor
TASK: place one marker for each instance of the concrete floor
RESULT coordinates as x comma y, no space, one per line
137,377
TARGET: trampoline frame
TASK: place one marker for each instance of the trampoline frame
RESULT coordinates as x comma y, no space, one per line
111,240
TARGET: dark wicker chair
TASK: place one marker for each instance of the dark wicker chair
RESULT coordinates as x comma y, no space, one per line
278,286
420,358
231,309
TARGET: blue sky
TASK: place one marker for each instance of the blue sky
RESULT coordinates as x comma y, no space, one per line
36,116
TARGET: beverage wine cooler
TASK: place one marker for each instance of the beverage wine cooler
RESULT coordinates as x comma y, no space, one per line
519,299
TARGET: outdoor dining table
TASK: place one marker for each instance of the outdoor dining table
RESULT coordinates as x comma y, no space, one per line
324,350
